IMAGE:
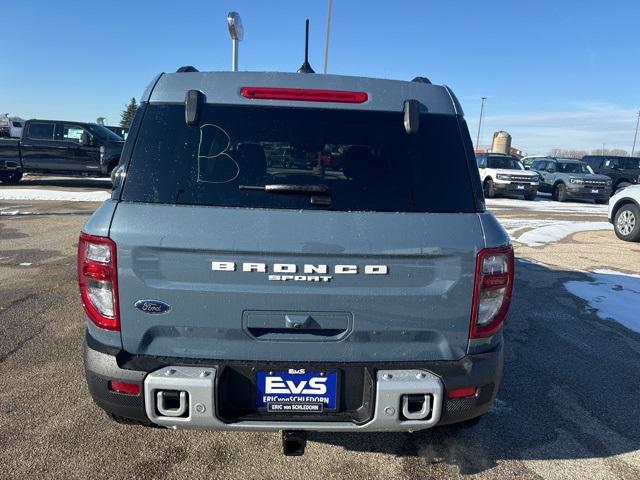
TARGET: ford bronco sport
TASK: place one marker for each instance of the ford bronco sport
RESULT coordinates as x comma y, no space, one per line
504,174
222,293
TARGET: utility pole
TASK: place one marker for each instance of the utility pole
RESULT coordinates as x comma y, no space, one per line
635,137
480,122
326,46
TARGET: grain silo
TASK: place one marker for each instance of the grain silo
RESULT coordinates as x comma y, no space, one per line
501,142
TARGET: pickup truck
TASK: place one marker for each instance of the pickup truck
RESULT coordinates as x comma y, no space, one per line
59,147
224,293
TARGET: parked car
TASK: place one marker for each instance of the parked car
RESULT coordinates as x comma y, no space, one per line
567,178
623,171
295,301
120,131
10,126
290,157
60,147
624,213
527,161
504,174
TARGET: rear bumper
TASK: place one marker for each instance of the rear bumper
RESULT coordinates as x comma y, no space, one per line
381,403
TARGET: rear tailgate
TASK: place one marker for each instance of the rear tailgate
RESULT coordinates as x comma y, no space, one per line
418,310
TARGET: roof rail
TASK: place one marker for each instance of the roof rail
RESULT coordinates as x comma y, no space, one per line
187,68
421,80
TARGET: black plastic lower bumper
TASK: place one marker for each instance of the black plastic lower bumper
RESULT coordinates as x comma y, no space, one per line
512,188
483,371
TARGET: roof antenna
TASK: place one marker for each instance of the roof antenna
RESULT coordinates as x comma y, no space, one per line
306,68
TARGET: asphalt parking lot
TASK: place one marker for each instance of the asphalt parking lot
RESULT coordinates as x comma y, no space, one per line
568,406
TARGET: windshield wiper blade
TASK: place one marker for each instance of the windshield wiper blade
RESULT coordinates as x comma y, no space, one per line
289,188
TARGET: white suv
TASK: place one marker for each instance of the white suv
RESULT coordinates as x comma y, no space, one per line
624,213
505,174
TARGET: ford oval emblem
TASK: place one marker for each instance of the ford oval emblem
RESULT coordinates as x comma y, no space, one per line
152,306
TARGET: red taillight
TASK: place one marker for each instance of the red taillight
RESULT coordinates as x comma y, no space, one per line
303,94
98,280
124,387
465,392
492,290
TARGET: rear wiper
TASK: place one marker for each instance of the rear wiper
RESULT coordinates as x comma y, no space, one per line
320,194
289,188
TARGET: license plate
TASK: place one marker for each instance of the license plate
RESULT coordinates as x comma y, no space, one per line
595,191
296,391
520,187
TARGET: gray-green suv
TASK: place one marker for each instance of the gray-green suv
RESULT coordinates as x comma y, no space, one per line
567,178
224,293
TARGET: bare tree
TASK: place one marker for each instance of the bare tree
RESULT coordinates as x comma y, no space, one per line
571,153
564,153
618,152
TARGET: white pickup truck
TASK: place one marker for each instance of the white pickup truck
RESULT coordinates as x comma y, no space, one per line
505,174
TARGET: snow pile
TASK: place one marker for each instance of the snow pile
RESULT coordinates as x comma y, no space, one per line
15,210
60,195
614,295
544,205
543,231
558,230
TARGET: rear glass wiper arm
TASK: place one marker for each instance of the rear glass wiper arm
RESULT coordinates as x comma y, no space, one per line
289,188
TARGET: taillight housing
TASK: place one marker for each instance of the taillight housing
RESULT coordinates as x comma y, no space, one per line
98,280
492,290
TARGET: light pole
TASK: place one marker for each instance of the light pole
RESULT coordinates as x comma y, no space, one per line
326,45
633,149
237,34
480,122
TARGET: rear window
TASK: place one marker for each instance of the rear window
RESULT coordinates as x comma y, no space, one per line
41,131
330,159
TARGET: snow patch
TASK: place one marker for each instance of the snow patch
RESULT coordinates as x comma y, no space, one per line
557,230
60,195
613,295
544,205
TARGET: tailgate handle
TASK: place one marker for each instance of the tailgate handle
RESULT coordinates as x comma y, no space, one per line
297,321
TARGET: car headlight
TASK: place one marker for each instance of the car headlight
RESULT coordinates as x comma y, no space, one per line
579,181
502,176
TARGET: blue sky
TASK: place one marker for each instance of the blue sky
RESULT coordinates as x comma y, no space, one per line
561,73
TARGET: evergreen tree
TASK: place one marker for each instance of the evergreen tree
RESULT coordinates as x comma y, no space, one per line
127,114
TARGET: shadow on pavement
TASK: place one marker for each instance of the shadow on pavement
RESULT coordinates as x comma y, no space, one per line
570,388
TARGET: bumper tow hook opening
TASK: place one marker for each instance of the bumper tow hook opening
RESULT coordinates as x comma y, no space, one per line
172,403
294,442
416,407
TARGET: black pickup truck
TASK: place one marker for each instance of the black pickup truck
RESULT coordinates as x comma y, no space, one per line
60,147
